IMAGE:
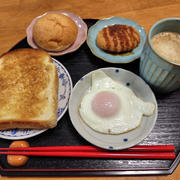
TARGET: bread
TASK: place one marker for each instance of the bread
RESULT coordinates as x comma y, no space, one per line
28,90
118,38
54,32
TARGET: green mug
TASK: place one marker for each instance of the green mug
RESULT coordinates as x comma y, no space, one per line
162,74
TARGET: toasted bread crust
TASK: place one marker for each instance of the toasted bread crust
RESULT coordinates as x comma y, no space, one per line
118,38
28,90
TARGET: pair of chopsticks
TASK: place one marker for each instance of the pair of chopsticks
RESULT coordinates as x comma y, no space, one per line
136,152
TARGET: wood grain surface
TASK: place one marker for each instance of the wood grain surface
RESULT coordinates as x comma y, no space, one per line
15,16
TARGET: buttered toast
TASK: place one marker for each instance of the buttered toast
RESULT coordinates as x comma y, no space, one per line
28,90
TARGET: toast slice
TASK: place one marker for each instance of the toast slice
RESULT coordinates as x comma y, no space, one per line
28,90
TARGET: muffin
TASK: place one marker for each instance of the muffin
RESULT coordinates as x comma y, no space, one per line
118,38
54,32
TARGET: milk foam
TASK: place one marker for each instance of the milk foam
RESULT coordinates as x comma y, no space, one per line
167,44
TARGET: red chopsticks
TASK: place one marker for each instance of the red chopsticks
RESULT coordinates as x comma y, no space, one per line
123,155
136,152
138,148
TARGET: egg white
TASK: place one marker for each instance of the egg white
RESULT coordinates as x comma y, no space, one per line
129,115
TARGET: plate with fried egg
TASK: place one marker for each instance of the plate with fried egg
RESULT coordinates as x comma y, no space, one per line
113,108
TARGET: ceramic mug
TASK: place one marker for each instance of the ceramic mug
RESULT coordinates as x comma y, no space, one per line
161,74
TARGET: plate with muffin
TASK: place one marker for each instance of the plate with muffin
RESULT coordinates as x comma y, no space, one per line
112,108
35,91
116,40
57,32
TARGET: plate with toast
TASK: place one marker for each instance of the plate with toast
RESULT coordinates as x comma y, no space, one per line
42,114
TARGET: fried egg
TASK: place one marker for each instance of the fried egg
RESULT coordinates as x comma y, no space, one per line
112,108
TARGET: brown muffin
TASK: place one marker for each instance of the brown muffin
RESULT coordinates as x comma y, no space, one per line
118,38
54,32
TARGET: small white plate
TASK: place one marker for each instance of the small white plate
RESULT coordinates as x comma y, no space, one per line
81,37
64,92
120,141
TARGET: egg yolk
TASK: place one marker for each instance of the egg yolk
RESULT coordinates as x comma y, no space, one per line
105,104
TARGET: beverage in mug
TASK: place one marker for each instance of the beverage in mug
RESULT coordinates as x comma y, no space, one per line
167,44
160,59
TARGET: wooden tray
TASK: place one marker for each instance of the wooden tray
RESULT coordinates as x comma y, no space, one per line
166,131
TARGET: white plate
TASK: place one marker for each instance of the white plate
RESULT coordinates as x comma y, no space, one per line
106,141
65,89
81,36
